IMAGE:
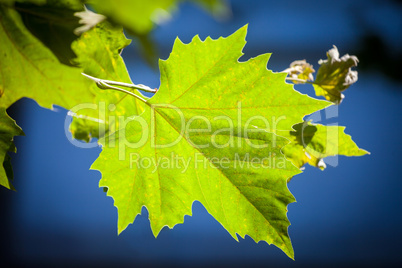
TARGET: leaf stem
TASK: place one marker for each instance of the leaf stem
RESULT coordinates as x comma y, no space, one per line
299,80
102,85
139,86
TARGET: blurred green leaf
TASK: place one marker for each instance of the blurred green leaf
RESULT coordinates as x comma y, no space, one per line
139,17
134,15
30,69
8,129
54,26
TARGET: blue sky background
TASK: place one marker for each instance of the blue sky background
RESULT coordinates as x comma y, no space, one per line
345,216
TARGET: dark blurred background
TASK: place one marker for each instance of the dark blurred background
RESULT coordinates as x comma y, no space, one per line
346,216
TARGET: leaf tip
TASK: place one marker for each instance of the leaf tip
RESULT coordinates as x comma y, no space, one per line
363,152
242,31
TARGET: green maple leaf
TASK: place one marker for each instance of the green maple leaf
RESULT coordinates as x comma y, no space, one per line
31,64
8,129
54,24
311,143
232,111
37,58
29,69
